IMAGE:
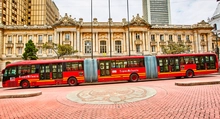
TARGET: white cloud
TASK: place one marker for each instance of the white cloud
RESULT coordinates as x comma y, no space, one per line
182,11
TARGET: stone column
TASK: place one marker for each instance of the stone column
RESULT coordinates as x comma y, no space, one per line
144,41
196,43
4,41
132,41
94,42
209,42
124,43
97,42
14,43
1,43
75,41
157,39
127,43
71,39
199,43
148,40
81,43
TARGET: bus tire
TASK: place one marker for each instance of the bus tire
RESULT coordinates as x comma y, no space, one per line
189,74
134,77
25,84
72,81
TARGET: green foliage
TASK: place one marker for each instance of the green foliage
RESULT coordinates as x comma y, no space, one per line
175,48
60,50
30,51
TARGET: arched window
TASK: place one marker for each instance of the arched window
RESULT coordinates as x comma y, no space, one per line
118,46
102,46
88,47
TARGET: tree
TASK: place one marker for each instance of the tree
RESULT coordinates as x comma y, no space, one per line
60,50
30,51
175,48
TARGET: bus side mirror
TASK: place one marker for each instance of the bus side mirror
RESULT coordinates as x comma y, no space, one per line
3,71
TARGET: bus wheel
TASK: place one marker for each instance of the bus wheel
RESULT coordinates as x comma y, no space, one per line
134,77
72,81
189,74
25,84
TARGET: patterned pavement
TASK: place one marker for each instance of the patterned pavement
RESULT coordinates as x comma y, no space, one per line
169,101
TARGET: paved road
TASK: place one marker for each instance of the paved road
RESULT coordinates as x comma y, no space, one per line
169,102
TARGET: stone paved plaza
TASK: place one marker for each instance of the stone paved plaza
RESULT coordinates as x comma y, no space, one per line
160,99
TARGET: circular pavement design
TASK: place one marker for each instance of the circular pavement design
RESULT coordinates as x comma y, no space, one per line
111,95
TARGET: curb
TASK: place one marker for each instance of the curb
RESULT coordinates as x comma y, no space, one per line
197,83
20,95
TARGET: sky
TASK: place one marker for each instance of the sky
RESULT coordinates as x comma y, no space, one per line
184,12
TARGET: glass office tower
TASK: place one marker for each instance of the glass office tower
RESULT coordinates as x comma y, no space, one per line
156,11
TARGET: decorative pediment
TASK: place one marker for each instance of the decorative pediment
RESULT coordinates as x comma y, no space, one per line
139,21
66,21
202,24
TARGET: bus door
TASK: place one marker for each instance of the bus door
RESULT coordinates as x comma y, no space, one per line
174,64
104,67
9,75
200,63
57,73
163,66
45,72
210,62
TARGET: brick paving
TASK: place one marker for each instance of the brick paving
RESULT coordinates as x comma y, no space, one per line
170,102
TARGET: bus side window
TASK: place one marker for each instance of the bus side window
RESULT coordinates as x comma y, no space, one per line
182,61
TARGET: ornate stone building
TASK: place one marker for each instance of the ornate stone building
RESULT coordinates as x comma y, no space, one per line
143,38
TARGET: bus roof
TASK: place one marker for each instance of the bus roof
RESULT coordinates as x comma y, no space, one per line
29,62
185,55
120,57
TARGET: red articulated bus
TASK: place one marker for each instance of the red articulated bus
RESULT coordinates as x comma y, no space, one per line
131,68
186,65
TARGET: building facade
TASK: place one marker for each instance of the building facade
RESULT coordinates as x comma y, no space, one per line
137,38
156,11
215,22
28,12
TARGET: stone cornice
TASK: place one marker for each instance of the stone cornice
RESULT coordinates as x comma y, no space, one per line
26,27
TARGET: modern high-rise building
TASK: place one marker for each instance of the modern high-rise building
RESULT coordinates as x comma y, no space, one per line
157,11
28,12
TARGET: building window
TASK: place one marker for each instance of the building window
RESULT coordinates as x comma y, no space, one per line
153,49
152,37
202,48
67,36
137,36
19,39
179,37
102,46
30,37
202,37
170,37
19,50
9,39
161,37
40,39
50,39
118,46
9,50
50,51
138,48
40,50
88,47
187,37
